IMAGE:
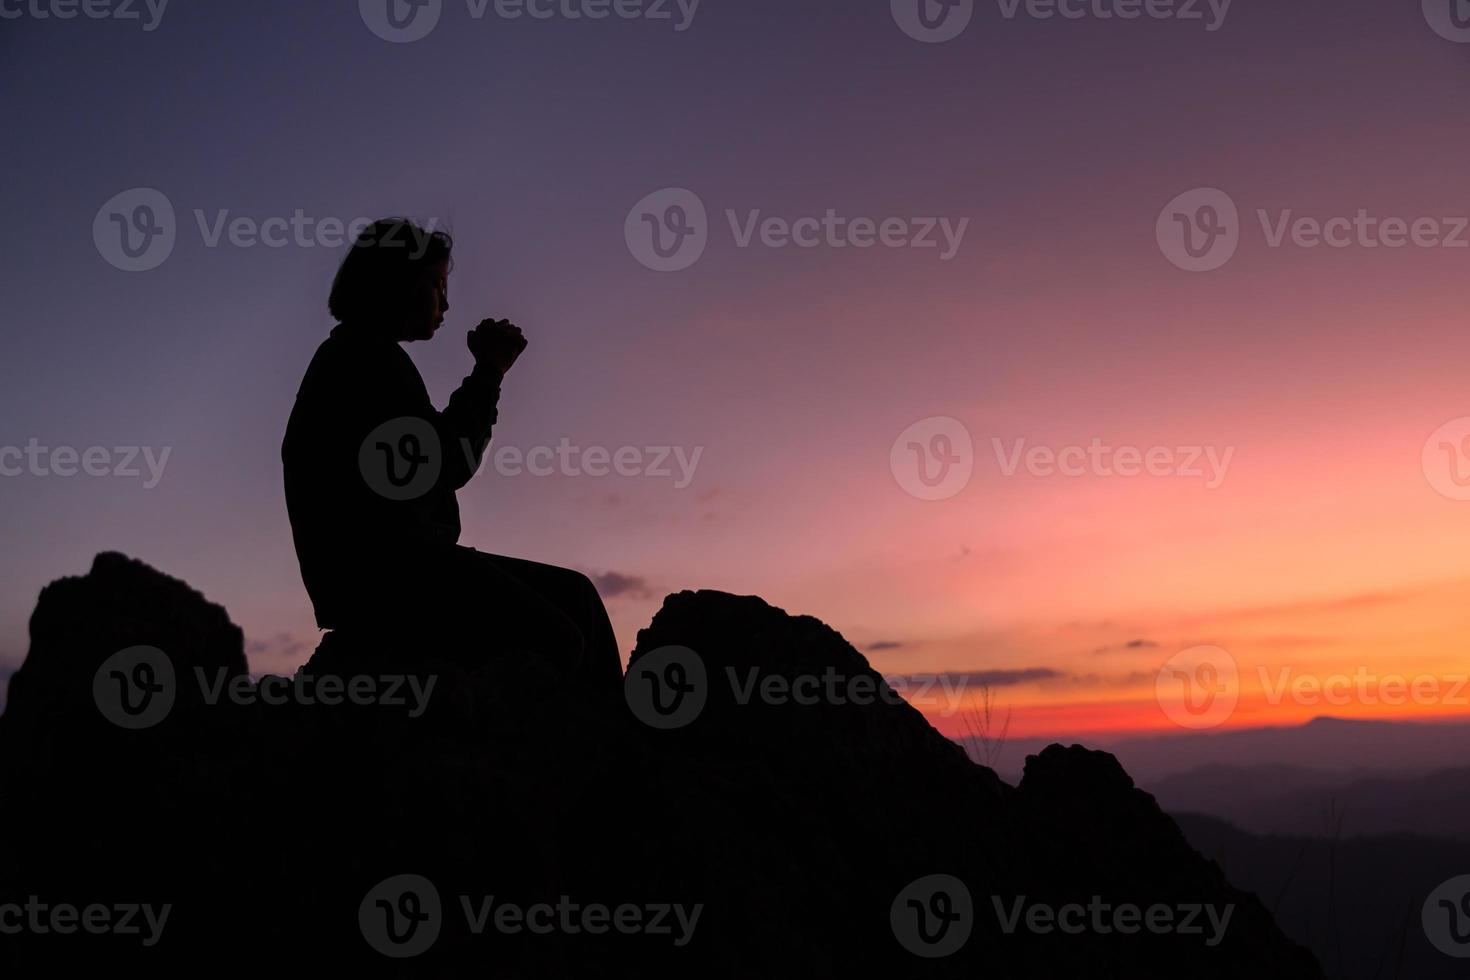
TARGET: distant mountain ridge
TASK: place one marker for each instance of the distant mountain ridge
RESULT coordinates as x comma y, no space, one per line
1326,743
1292,800
1357,903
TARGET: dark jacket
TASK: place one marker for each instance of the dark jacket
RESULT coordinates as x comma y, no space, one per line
361,539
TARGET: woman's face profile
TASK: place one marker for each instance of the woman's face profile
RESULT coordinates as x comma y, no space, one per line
427,302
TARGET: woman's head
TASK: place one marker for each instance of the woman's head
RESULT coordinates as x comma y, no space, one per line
395,277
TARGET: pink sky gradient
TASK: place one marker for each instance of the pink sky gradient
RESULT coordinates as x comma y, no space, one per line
1060,321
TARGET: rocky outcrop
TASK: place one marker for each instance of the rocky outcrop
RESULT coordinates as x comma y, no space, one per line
400,833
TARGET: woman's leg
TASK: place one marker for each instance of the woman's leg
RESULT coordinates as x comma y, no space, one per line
573,600
472,603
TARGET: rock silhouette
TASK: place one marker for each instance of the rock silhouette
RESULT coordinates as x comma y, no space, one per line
795,830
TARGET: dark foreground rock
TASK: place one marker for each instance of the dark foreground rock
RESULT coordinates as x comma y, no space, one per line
483,827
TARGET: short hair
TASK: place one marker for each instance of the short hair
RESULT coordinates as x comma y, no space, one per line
383,264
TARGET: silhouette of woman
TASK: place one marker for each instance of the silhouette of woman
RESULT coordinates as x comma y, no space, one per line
371,471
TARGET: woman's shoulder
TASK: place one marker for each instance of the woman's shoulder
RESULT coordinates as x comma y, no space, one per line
349,360
347,347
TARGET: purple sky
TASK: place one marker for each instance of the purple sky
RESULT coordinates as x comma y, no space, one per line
791,370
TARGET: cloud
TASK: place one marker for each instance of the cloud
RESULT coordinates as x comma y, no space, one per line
1048,676
1129,647
885,645
282,645
1132,679
991,678
1337,604
614,585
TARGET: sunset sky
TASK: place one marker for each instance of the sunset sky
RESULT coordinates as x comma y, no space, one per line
1326,547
